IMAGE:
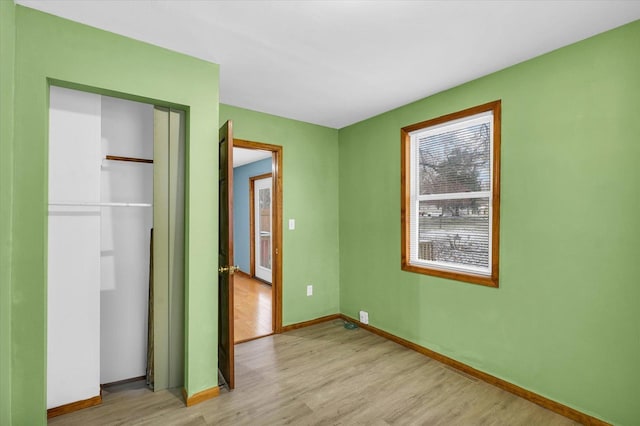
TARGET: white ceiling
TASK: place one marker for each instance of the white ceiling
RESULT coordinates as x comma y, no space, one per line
242,156
334,63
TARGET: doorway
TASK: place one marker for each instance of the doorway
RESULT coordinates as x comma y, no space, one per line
257,240
253,316
245,283
226,260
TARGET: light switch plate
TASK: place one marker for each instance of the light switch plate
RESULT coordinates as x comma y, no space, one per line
292,224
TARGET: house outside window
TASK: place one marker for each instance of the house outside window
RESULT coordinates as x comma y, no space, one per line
451,195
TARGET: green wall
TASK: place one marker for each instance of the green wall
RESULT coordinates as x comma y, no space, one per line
565,321
48,47
310,196
7,62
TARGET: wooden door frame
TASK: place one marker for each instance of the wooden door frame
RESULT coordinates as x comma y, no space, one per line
276,247
252,221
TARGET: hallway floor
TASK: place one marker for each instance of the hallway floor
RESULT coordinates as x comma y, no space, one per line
252,308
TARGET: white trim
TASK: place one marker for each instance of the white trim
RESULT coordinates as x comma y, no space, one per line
449,126
260,271
453,267
414,231
454,196
491,174
98,204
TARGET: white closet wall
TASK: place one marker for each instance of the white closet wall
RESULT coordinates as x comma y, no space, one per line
98,257
127,130
73,316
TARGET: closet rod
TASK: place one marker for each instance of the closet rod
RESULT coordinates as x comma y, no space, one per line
131,159
96,204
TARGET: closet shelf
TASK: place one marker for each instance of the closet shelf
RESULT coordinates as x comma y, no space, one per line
130,159
97,204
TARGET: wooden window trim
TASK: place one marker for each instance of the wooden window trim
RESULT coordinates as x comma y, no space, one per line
405,193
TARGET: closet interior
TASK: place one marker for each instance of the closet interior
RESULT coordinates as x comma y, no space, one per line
115,245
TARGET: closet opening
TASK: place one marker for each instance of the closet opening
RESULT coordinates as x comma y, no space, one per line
115,247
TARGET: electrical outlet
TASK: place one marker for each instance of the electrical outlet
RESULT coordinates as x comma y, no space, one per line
364,317
309,290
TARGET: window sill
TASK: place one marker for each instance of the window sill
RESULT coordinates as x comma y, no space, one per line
488,281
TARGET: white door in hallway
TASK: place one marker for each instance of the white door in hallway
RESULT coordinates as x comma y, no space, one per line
263,231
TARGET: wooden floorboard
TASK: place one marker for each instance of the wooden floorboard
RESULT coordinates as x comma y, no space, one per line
252,308
326,375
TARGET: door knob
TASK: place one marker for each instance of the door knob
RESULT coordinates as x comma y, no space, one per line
230,269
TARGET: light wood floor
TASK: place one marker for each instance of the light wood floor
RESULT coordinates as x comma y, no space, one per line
326,375
252,308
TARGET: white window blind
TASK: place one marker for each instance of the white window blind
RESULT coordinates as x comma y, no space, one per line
451,195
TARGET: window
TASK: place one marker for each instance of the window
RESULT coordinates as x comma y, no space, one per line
451,195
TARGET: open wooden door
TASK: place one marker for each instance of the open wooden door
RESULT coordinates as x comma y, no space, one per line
225,255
